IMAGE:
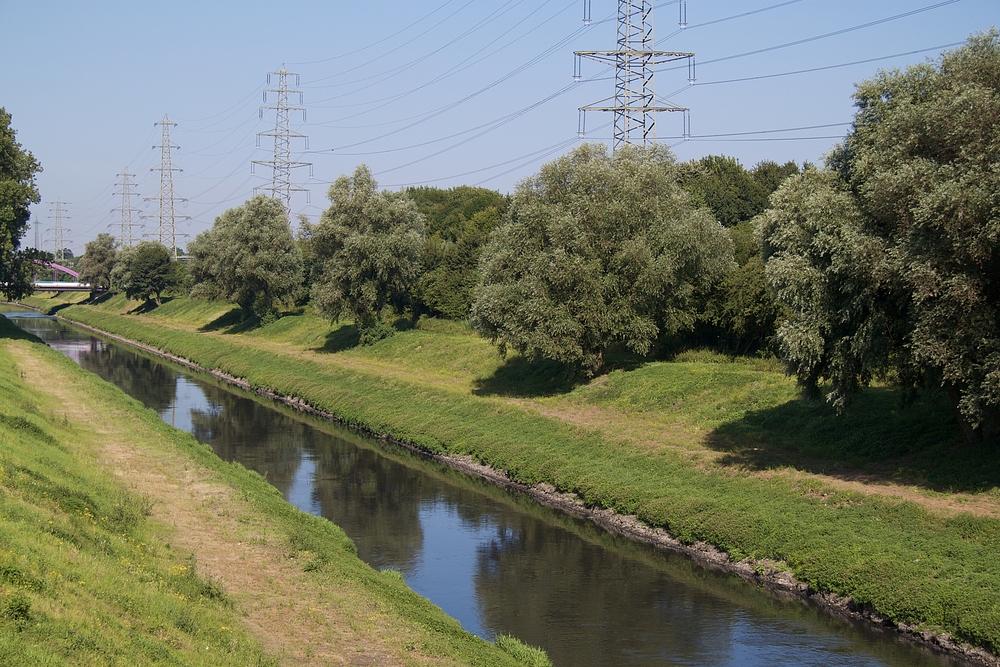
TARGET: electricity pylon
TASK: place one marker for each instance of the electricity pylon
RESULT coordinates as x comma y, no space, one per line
127,238
59,244
635,103
166,214
281,164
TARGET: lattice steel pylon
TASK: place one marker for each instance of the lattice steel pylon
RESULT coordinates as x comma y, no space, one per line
635,103
281,164
126,238
166,214
58,242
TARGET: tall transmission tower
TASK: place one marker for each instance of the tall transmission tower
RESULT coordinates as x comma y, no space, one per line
635,103
126,237
281,164
58,242
167,217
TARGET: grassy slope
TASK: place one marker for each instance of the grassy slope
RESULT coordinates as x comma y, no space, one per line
721,421
87,578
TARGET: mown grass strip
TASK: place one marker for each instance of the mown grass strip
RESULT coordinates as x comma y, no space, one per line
87,577
908,565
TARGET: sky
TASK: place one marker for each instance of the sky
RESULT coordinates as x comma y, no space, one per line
428,92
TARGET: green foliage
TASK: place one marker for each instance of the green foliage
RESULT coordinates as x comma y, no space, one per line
145,271
732,193
458,224
741,307
897,268
17,192
249,258
598,250
820,264
367,250
98,262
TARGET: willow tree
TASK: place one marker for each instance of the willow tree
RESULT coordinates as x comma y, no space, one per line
249,257
598,249
919,288
98,261
366,250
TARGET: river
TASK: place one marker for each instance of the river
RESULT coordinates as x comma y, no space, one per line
495,560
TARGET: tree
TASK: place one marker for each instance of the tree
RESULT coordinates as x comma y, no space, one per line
458,222
17,193
145,271
249,257
598,249
733,194
98,261
741,307
367,252
824,267
914,239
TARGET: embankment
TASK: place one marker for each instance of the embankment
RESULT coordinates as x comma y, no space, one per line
125,541
932,572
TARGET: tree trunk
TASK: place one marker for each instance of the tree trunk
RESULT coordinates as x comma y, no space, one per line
973,434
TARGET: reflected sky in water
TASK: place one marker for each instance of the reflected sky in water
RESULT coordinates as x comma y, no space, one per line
496,561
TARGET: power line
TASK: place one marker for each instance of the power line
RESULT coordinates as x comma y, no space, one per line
374,44
828,67
835,33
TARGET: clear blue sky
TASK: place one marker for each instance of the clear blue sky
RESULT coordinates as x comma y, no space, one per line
437,92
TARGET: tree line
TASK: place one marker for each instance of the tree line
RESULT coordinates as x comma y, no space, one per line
880,264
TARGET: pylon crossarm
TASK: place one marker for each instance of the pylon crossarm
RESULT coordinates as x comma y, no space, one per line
656,57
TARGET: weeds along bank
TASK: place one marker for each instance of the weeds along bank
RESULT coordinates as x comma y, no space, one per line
670,462
131,568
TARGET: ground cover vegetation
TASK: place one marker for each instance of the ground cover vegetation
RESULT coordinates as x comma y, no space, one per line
88,573
676,443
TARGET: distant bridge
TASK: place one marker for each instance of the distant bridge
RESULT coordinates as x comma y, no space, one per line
61,285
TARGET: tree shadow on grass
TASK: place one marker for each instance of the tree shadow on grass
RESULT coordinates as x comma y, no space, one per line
150,305
523,377
344,337
879,438
100,298
229,319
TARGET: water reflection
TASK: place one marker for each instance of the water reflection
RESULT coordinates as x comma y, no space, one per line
497,562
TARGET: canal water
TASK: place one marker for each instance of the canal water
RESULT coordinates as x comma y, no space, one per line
497,561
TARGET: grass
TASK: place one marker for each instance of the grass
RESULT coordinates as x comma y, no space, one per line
712,449
88,576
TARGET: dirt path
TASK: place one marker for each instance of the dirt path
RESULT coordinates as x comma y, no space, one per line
283,607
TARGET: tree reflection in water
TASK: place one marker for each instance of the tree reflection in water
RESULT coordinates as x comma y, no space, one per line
352,487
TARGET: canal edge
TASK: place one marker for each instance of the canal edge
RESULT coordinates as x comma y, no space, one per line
763,573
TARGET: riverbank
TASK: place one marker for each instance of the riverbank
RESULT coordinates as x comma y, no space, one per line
126,542
906,553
